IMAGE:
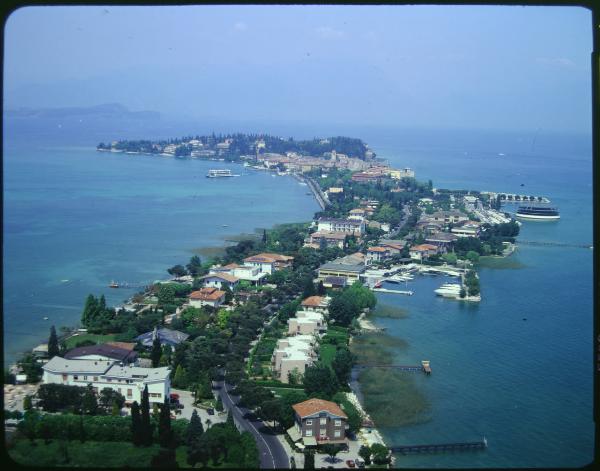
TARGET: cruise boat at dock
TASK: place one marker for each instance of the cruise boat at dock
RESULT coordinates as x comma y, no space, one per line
539,212
220,173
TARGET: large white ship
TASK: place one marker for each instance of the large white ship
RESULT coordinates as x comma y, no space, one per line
219,173
540,212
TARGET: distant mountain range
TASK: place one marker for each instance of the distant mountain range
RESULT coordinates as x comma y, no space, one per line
109,110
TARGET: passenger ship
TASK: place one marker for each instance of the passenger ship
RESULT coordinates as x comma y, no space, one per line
538,212
220,173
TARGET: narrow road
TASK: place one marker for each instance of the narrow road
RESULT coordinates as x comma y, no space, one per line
272,454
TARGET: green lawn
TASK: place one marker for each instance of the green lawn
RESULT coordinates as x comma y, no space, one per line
327,353
72,341
282,392
88,454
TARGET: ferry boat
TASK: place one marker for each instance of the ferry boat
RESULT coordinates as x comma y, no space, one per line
220,173
540,212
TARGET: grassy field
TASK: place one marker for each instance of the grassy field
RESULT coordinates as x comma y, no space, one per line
327,354
88,454
282,392
72,341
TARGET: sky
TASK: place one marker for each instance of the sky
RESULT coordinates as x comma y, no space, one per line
480,67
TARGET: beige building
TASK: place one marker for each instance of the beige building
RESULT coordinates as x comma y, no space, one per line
306,323
293,355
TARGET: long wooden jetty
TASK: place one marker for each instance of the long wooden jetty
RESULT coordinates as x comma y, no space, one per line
424,367
555,244
437,447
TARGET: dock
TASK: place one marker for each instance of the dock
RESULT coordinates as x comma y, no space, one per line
394,291
437,447
424,367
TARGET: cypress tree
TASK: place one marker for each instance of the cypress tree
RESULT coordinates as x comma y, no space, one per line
53,349
146,428
156,352
81,429
89,309
136,424
165,434
194,430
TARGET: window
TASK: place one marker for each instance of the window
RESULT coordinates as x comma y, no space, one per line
337,434
323,421
338,422
129,392
323,432
95,378
64,377
109,380
84,378
308,433
308,421
75,377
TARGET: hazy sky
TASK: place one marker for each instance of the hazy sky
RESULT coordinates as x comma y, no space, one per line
484,67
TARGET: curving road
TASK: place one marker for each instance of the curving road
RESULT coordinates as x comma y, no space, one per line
272,454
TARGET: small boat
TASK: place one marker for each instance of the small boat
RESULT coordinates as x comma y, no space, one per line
45,318
224,225
113,284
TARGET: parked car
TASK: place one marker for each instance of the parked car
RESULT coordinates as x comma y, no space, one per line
350,463
359,462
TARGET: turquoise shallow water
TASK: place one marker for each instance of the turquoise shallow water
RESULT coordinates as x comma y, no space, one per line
75,219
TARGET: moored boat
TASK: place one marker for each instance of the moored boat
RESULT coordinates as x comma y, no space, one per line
539,212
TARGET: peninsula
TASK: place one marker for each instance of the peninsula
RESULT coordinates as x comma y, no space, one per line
247,359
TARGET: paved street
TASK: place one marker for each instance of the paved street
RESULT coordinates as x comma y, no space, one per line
272,453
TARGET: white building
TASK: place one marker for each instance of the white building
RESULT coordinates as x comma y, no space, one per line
269,262
220,280
242,272
126,380
348,226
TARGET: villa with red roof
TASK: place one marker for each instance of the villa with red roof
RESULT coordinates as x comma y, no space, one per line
318,421
207,297
269,262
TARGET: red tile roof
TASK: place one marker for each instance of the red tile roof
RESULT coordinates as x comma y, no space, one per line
268,258
313,406
207,294
313,301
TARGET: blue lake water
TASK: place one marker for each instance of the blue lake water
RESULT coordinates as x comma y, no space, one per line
526,385
71,213
75,219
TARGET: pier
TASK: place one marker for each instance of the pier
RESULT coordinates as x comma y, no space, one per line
424,367
436,447
555,244
516,198
394,291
